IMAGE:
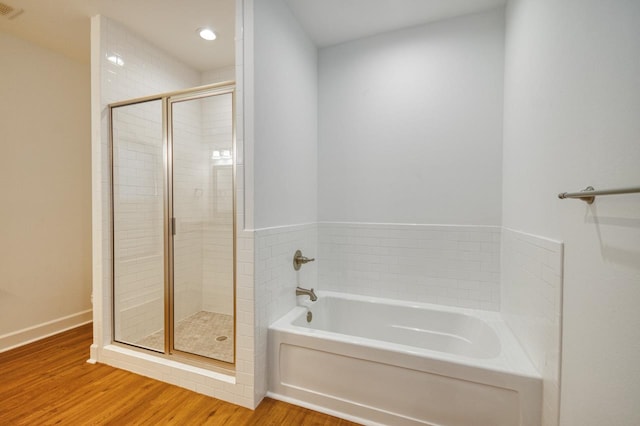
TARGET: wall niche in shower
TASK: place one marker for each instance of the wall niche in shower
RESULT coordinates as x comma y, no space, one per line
173,223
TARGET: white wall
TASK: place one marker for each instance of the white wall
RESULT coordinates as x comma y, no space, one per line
410,127
571,119
45,169
285,123
283,144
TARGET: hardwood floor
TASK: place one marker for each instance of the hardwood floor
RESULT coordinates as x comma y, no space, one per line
50,382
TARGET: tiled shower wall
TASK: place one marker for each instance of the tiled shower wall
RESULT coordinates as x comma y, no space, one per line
531,286
444,264
199,127
217,235
190,174
129,77
203,196
219,75
147,70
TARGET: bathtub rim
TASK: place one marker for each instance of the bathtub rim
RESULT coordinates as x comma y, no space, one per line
513,358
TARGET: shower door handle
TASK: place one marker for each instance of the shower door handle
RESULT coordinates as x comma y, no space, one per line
173,226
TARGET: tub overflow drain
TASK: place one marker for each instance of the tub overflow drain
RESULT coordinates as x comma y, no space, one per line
221,338
309,316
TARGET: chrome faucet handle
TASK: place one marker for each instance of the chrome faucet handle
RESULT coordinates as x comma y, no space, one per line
299,259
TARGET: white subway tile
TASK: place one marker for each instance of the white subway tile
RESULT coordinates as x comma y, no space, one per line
402,260
531,286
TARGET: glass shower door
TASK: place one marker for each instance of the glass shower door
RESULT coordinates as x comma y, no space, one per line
202,316
173,223
138,224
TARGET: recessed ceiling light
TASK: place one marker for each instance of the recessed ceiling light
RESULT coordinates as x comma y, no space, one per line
207,33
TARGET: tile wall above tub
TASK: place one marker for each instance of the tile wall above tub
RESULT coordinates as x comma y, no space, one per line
276,281
531,293
444,264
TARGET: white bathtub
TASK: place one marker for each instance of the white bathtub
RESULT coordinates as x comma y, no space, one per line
377,361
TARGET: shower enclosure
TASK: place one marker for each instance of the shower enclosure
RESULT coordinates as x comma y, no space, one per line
173,222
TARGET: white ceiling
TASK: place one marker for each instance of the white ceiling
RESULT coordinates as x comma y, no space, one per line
64,26
330,22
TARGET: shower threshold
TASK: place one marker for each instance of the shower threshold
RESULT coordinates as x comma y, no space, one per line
204,333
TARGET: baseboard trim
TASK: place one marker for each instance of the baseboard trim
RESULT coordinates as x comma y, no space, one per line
31,334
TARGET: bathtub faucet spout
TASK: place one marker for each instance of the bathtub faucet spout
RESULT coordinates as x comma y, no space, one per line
303,291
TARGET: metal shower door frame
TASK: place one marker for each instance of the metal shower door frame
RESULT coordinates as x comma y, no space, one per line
168,99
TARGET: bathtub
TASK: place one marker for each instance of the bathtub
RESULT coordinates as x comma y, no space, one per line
376,361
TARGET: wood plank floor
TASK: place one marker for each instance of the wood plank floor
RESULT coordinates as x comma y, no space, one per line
49,382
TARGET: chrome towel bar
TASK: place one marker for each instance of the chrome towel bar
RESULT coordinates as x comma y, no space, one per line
589,193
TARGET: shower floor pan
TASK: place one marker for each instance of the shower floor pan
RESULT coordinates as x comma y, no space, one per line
204,333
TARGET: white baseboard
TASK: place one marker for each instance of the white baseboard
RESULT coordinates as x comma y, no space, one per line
93,357
31,334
